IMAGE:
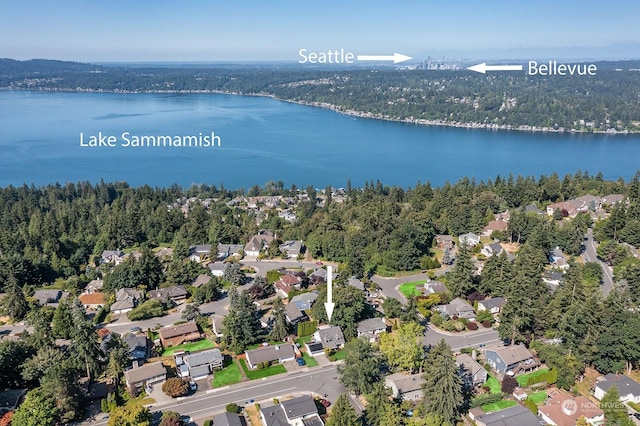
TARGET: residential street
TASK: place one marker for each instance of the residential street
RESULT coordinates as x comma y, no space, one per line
590,255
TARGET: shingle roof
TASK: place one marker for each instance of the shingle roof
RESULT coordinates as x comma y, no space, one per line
122,304
204,357
494,302
516,415
371,324
331,337
513,354
305,300
270,353
625,384
227,419
178,330
406,382
469,364
299,407
145,372
293,313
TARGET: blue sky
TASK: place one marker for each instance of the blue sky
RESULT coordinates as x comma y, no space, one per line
211,30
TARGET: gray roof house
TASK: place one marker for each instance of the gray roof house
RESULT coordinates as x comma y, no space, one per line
227,419
473,373
514,358
516,415
126,300
407,387
112,256
492,249
457,307
300,411
354,282
469,239
371,328
628,388
291,248
270,353
200,280
148,374
199,365
139,347
45,297
177,294
431,287
199,252
226,250
304,301
493,305
293,314
330,337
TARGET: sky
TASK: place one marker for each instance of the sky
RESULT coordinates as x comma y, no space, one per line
199,30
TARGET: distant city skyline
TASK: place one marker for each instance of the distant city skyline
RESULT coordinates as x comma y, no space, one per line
274,31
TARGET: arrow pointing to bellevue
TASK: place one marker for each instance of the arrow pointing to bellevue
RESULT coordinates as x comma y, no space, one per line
483,68
396,58
329,305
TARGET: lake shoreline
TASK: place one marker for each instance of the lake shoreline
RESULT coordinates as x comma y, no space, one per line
351,113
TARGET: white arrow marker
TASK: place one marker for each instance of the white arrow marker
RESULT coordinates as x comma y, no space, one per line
396,58
483,68
329,305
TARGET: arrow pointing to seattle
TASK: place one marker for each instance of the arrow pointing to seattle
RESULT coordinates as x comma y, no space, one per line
483,68
396,58
329,305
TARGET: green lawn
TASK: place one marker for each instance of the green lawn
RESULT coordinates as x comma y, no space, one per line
634,406
538,397
302,340
191,347
309,360
265,372
228,376
522,380
341,354
493,384
499,405
409,289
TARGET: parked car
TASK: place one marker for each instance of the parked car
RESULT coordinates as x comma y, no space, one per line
326,402
135,329
193,386
300,361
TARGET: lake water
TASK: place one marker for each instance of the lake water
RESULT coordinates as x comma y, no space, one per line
265,139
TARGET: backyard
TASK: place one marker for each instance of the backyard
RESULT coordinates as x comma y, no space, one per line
538,397
498,405
494,385
189,347
523,379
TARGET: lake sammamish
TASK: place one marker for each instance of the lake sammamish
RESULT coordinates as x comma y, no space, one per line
263,139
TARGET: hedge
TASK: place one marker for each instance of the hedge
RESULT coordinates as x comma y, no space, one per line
481,400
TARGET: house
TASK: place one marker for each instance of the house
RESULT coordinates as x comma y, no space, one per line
200,252
470,239
286,283
300,411
288,216
176,294
292,248
304,301
227,419
293,314
147,375
553,279
200,280
516,415
473,373
93,301
126,300
226,250
112,256
139,348
198,365
10,399
94,286
355,282
257,243
532,208
433,287
611,199
558,259
515,359
48,297
493,305
457,308
562,409
492,249
406,387
216,268
319,275
493,226
269,354
164,253
331,337
444,241
371,328
174,335
628,388
561,206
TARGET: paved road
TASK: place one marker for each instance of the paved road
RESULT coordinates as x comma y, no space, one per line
590,255
204,405
262,266
389,286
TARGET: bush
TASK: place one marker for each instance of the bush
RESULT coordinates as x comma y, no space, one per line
436,319
486,324
175,387
472,326
486,399
232,408
208,423
149,309
484,316
100,316
531,406
509,384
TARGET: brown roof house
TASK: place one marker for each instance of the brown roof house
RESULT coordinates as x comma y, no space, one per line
147,375
175,335
92,301
286,283
177,294
562,409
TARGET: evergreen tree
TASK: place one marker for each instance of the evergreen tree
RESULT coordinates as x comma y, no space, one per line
442,389
342,413
280,328
14,302
377,402
242,324
62,320
461,277
85,340
495,274
614,410
361,367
